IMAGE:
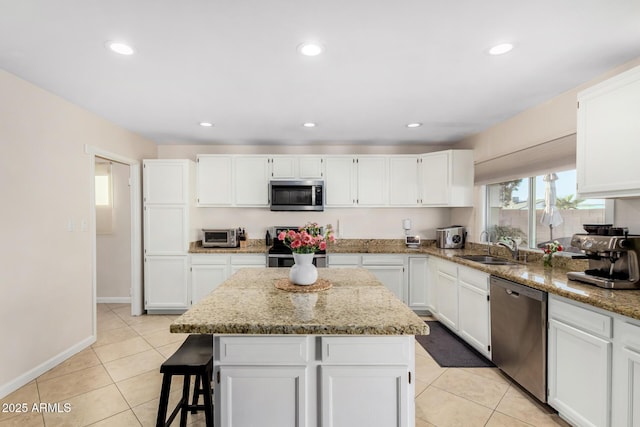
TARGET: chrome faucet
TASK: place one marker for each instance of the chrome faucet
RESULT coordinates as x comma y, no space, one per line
510,244
488,234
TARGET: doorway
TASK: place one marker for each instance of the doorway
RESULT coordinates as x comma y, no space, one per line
134,247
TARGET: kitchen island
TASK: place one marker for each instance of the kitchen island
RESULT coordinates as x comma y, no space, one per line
339,357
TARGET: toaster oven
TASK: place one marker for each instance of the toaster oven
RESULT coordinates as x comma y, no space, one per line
220,238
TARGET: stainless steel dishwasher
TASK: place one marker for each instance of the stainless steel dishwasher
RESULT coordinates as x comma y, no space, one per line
519,334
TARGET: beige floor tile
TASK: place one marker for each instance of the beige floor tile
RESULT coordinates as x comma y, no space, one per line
164,337
444,409
501,420
117,305
65,386
101,308
28,419
114,335
26,394
523,407
145,387
82,360
123,419
108,321
118,350
169,349
151,325
422,423
488,373
89,408
476,388
427,369
133,365
147,413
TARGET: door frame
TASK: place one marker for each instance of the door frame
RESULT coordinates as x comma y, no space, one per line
135,194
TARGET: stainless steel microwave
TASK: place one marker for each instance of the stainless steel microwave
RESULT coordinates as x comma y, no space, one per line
220,238
296,195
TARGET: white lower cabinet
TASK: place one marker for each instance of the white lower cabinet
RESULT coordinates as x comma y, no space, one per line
344,261
418,276
432,291
166,283
313,381
239,261
474,316
626,374
447,290
579,363
390,270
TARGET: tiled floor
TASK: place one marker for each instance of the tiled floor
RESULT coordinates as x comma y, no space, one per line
116,382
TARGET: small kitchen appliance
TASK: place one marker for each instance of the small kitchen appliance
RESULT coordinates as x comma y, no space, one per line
296,195
613,258
412,242
221,237
452,237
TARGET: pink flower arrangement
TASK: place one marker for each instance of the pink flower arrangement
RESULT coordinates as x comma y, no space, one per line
307,239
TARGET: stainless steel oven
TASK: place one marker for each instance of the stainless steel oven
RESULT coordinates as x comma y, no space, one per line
281,256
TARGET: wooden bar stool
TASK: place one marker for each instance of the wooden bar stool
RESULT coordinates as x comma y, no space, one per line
193,358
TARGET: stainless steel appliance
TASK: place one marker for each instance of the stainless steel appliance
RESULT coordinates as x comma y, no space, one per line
519,334
220,238
613,258
281,256
296,195
451,237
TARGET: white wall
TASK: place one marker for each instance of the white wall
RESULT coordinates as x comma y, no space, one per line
45,277
113,250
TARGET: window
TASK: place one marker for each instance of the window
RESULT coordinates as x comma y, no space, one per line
540,209
104,197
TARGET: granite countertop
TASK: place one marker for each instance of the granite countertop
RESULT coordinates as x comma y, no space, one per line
254,246
249,303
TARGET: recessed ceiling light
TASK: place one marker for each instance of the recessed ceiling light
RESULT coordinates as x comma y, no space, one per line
309,125
206,124
500,49
414,125
310,49
121,48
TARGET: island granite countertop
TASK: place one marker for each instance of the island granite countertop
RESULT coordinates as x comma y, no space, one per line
249,303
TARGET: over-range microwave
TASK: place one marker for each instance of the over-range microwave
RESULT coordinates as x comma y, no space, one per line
220,238
296,195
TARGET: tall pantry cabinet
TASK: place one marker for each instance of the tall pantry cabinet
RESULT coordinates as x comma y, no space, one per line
168,204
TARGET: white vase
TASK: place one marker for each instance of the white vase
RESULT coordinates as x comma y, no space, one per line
303,272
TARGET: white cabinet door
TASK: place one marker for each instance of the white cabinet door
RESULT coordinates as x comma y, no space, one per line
579,379
166,230
447,290
166,283
608,126
205,278
262,396
418,275
364,396
343,261
340,181
392,277
435,179
284,167
403,181
474,315
626,374
251,181
165,181
432,285
239,261
214,175
310,167
372,178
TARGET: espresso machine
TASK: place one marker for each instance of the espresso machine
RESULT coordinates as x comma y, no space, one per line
613,258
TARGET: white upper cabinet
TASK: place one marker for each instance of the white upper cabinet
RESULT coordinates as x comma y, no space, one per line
296,167
403,181
251,181
339,181
372,178
166,181
214,175
446,178
608,128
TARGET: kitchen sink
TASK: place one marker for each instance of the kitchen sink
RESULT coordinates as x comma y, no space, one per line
487,259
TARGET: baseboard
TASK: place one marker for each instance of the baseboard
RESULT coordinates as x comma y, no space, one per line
113,300
27,377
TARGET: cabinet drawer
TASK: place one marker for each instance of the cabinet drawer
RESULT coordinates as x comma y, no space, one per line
209,259
448,267
270,350
628,333
383,260
249,260
364,350
344,260
475,278
582,318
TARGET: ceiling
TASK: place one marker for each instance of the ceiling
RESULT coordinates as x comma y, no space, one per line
386,64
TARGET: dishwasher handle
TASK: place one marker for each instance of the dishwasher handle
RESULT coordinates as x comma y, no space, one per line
512,293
